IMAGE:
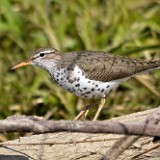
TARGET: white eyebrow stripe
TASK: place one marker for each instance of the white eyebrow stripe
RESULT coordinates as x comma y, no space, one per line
49,51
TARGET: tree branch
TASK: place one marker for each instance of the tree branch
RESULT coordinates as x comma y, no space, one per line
39,125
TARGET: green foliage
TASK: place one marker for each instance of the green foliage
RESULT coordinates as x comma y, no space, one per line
130,28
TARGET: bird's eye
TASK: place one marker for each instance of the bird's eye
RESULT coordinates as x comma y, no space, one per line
41,54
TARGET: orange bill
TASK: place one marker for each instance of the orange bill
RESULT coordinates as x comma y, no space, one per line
22,64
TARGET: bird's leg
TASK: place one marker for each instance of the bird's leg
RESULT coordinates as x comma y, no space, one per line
102,102
84,111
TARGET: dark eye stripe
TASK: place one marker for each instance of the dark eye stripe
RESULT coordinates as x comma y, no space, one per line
35,56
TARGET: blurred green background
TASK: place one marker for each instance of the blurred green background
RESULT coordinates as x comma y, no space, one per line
123,27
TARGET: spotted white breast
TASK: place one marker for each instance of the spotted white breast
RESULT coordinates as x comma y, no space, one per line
77,83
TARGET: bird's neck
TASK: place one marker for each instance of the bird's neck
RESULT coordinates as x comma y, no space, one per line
50,67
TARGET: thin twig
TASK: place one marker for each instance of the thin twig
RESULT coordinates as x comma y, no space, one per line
119,147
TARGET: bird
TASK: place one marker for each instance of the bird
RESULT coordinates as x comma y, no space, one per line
88,74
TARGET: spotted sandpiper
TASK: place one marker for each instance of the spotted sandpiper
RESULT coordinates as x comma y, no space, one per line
88,74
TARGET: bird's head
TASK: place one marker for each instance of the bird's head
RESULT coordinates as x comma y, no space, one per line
43,57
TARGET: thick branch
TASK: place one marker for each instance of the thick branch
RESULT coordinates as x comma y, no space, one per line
36,125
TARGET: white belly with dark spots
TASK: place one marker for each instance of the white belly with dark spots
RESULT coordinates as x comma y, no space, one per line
77,83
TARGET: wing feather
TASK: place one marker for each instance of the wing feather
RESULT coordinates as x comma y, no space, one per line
106,67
